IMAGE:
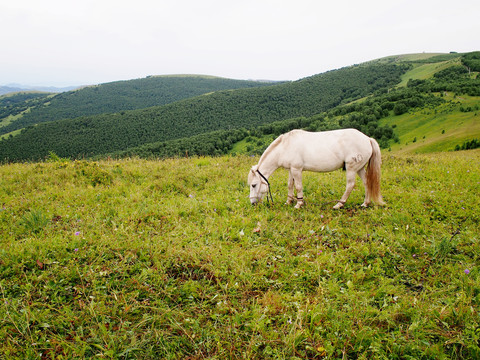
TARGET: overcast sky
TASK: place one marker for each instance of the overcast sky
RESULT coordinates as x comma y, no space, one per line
72,42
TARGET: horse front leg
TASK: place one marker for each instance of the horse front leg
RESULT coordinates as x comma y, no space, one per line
350,185
296,174
291,182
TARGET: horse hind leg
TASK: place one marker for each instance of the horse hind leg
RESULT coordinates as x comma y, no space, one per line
363,175
350,185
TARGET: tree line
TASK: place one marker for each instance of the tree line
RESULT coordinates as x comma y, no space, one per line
472,61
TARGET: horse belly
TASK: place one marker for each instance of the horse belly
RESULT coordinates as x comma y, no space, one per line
318,158
328,161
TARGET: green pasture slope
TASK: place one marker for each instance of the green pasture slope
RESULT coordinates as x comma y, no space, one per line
439,128
442,128
138,259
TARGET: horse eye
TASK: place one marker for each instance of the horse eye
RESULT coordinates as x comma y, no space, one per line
253,185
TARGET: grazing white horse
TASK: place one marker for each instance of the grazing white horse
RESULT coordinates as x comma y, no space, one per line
325,151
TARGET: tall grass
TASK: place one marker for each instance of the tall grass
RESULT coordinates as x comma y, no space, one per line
168,259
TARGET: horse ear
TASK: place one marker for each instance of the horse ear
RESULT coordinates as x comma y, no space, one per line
251,174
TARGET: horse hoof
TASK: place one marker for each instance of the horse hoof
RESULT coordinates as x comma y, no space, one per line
364,205
290,200
338,206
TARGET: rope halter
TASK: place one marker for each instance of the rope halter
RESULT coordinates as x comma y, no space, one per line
268,183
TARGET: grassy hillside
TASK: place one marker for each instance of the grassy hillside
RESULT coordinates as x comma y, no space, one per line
423,71
168,259
115,97
438,129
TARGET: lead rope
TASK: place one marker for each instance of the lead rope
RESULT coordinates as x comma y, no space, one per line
269,190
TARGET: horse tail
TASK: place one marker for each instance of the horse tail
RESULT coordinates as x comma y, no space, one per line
374,172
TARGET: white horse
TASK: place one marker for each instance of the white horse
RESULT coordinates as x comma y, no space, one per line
325,151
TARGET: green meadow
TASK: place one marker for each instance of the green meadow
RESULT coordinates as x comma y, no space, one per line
167,259
441,128
427,70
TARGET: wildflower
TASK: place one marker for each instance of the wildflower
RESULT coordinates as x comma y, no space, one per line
75,249
414,255
466,271
77,233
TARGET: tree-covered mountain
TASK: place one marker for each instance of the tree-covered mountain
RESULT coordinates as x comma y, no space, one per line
370,97
114,97
379,116
222,110
440,100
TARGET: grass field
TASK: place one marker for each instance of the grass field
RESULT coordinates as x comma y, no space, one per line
426,71
167,259
438,129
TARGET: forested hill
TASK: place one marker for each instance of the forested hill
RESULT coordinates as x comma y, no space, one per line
222,110
112,97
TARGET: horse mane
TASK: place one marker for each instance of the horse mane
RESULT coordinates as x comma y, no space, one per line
270,148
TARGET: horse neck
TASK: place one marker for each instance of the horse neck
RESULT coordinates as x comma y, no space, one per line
268,163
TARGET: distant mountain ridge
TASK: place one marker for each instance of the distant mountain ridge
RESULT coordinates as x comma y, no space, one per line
12,88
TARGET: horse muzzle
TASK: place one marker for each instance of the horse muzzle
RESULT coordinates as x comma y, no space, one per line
254,200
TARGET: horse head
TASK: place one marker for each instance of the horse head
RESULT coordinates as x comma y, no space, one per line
258,185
